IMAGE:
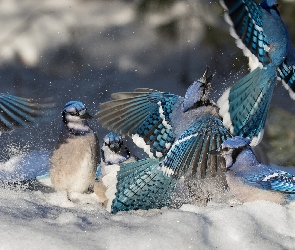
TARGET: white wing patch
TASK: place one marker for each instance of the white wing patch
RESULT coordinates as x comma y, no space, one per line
268,177
253,60
169,171
141,143
223,105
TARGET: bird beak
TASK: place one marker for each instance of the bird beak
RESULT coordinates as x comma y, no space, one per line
86,116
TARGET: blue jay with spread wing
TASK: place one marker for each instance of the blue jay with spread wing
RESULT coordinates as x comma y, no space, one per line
176,132
248,179
261,34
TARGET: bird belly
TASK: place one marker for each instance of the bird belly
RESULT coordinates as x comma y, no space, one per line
246,193
73,164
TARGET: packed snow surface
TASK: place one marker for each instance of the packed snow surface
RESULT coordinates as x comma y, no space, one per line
42,219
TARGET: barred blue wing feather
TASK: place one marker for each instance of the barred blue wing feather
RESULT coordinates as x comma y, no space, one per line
145,116
189,154
245,19
141,185
245,105
19,111
276,181
286,73
263,37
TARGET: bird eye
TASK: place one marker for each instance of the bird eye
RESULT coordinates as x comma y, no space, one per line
74,113
225,149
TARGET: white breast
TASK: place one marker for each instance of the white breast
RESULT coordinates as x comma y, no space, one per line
73,164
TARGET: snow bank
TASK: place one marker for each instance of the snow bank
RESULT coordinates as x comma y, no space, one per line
48,220
29,218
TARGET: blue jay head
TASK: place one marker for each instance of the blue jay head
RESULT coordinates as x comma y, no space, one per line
198,93
113,141
231,148
270,4
74,115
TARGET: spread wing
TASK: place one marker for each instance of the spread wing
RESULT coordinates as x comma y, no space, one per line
17,111
245,20
145,115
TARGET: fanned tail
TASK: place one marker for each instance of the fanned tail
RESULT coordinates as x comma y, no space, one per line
140,185
18,111
245,105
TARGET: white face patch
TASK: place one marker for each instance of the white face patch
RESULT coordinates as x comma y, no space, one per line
75,123
79,127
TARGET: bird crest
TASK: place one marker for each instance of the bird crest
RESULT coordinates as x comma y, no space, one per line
198,93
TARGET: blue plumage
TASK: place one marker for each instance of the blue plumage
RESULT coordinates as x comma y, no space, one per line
246,176
260,32
188,155
142,185
177,131
18,111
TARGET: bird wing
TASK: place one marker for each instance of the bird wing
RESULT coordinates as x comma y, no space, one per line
244,106
189,154
245,20
144,115
17,111
275,180
139,185
286,73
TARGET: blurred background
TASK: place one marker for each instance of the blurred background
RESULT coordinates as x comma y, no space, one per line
87,49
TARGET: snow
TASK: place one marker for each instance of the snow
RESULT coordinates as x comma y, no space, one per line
43,219
30,219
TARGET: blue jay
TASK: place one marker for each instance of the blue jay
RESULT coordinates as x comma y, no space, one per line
75,158
250,180
260,32
113,152
18,111
176,132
